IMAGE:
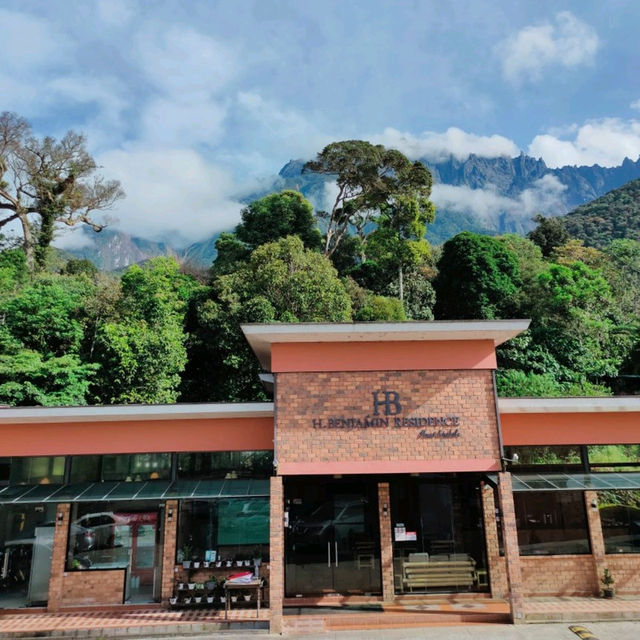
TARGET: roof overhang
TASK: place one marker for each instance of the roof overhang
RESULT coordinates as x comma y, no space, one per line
569,405
116,413
261,337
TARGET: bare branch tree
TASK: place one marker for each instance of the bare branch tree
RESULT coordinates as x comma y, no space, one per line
44,182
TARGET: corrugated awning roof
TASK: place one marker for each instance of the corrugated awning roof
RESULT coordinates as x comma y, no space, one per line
152,490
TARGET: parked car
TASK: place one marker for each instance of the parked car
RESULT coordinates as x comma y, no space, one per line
93,531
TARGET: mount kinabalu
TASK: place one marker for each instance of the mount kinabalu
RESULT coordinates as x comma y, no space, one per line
509,191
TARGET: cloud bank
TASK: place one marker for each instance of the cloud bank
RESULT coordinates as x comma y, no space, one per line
530,52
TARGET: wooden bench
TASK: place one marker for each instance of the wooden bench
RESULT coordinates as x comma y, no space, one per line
439,573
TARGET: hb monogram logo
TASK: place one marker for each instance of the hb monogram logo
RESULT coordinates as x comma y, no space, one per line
390,400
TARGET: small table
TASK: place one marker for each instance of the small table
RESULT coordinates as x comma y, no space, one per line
256,585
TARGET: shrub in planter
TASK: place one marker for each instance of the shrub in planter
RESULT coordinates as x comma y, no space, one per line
607,581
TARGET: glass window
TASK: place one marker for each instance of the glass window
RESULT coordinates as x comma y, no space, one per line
614,457
5,468
235,528
557,458
551,523
85,469
37,470
226,464
113,535
136,467
620,518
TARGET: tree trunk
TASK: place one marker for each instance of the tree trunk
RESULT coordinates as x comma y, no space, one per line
27,234
401,282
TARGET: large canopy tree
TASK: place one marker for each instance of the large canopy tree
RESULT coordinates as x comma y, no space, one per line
44,182
371,179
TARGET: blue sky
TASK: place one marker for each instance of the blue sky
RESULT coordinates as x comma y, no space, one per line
190,104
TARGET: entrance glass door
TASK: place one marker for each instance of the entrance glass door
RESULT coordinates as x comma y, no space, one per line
332,539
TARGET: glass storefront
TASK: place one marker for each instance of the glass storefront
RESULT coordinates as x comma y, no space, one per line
551,523
118,535
26,540
620,517
438,534
332,537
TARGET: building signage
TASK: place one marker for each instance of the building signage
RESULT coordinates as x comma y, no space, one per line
388,414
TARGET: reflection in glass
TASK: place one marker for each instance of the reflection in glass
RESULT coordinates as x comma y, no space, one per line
226,464
37,470
551,523
136,467
620,518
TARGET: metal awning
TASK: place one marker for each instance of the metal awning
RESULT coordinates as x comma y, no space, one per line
151,490
571,481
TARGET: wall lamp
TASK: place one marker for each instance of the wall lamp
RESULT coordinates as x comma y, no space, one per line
385,509
60,518
514,460
169,514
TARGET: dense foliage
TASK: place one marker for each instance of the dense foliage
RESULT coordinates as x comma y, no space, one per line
160,333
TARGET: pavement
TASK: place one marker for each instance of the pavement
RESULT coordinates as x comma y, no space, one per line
600,630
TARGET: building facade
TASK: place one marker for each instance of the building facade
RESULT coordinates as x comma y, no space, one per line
386,466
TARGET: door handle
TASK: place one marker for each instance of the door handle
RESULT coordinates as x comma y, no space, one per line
336,549
328,554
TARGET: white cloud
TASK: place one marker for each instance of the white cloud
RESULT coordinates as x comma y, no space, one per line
567,43
114,12
439,146
605,142
171,194
181,61
635,104
69,238
545,196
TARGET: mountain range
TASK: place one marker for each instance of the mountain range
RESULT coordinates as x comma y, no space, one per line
486,195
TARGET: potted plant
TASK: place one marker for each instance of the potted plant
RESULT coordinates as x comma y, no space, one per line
209,599
191,586
210,585
607,580
197,599
187,600
173,600
246,595
186,556
196,564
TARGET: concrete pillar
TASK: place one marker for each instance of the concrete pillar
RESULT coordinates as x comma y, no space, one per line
170,536
386,542
595,535
59,557
511,550
276,554
497,574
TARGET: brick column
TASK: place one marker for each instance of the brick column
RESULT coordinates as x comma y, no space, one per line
595,535
497,576
169,540
511,550
386,543
276,555
58,557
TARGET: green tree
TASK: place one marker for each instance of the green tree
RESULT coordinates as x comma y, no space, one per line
549,234
281,282
370,180
44,182
513,383
478,278
142,352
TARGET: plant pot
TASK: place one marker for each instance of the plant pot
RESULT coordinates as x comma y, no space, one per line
238,563
247,563
223,599
209,599
173,600
206,565
180,586
608,593
196,565
234,598
187,600
229,563
198,599
192,586
186,564
247,598
210,585
218,564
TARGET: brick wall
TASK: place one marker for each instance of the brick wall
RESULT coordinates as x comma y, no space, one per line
169,548
58,557
386,542
93,587
303,397
497,570
558,576
625,569
276,553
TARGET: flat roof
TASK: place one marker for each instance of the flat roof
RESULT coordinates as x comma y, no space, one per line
116,413
569,405
262,336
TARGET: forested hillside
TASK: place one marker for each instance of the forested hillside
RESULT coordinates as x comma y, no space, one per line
614,215
161,333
